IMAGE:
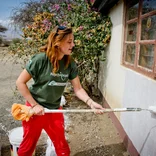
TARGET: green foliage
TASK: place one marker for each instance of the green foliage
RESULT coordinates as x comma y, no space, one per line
16,40
6,43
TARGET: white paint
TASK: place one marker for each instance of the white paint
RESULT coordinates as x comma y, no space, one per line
123,87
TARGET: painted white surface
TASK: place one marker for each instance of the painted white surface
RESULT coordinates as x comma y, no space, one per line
123,87
140,127
111,79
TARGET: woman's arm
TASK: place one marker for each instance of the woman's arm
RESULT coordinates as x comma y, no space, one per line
82,95
23,78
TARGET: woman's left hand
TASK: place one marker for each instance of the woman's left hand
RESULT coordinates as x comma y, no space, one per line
98,108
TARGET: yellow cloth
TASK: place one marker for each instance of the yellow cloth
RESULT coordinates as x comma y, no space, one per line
21,112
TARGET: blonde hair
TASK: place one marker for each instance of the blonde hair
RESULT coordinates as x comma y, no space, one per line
52,47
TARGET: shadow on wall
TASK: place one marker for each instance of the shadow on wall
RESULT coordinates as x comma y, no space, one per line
147,146
148,139
108,150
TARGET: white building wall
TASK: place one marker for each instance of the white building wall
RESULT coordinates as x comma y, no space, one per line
111,76
123,87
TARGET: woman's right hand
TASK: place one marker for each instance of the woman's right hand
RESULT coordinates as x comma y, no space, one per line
38,109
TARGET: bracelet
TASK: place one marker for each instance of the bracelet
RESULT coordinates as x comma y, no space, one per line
34,106
88,100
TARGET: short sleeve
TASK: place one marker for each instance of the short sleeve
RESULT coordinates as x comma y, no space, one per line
32,66
74,71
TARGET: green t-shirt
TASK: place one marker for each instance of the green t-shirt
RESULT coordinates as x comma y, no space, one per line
48,87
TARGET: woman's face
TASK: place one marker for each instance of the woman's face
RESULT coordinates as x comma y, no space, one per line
67,45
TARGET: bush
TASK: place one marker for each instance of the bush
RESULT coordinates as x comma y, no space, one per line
16,40
6,43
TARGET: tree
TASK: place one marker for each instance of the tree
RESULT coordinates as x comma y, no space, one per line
23,15
2,28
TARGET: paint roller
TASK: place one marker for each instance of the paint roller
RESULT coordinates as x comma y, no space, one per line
152,109
22,112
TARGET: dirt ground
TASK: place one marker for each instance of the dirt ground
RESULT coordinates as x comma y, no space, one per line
88,134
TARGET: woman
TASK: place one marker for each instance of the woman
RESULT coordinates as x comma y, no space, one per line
50,71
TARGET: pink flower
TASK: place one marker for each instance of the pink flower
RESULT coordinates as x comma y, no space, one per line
64,23
57,7
69,7
81,28
45,21
47,24
92,1
59,20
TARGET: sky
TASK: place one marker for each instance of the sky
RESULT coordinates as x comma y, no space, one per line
6,7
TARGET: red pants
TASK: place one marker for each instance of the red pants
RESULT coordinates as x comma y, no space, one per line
53,124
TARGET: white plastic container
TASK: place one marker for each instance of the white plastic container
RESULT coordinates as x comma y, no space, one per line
63,101
15,138
50,151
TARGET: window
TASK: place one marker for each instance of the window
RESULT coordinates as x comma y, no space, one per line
139,51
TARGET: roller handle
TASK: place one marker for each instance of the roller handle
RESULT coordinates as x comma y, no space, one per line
90,110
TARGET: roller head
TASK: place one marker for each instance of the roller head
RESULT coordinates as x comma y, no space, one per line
152,109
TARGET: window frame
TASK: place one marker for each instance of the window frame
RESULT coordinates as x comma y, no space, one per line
136,67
